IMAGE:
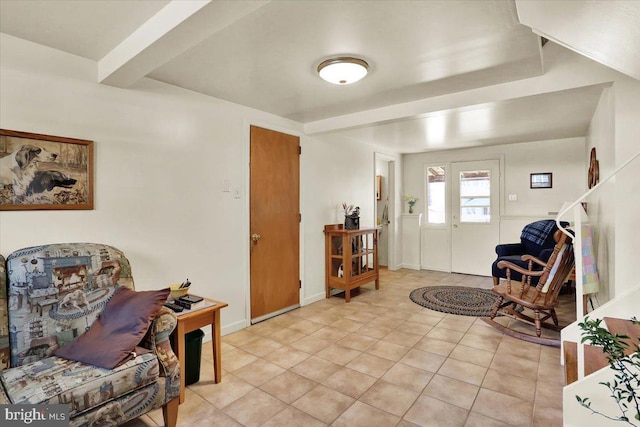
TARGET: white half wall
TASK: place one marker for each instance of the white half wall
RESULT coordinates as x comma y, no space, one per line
411,241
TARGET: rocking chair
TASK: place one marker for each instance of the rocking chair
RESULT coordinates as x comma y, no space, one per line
514,298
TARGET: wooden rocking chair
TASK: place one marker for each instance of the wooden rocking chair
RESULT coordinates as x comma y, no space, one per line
541,299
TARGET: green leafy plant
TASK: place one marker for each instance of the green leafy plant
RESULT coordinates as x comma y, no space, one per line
625,387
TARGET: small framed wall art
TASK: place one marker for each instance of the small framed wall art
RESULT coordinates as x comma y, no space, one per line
45,172
541,180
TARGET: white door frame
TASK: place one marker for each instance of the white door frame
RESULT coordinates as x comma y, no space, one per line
393,204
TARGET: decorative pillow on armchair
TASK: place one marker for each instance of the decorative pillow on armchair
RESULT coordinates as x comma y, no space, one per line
123,323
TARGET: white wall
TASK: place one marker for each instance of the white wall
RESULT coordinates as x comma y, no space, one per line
563,157
601,204
615,207
162,154
627,200
334,171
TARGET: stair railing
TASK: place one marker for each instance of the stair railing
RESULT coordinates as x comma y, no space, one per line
576,206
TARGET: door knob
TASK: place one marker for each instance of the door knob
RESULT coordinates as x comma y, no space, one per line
455,225
255,237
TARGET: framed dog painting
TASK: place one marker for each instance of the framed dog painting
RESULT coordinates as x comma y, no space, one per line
45,172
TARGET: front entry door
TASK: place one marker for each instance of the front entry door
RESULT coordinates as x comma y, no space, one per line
475,216
275,222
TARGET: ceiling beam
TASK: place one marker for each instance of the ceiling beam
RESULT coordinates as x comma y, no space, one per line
177,27
564,70
607,32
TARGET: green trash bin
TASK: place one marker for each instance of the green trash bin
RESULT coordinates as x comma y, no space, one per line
193,354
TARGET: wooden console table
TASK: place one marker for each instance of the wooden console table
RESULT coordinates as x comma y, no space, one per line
204,313
351,258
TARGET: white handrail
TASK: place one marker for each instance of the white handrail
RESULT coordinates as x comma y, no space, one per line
588,193
577,245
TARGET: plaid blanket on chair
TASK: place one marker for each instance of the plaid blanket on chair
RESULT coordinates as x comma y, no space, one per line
537,232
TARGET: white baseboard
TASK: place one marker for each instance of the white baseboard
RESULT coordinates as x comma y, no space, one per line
228,329
444,270
411,266
313,298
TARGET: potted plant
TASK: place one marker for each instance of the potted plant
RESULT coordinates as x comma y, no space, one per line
351,217
625,387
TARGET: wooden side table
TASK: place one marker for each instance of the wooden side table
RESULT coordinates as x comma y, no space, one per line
206,312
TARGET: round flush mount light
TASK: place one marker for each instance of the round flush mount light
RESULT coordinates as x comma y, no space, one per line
343,70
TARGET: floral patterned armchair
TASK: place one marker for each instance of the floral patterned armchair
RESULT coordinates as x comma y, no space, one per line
55,292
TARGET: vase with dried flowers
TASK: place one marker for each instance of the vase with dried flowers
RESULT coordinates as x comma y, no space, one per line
351,217
411,201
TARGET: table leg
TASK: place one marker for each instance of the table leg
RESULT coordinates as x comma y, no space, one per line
180,353
217,347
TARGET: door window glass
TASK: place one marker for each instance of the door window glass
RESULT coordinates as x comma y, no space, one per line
475,196
436,194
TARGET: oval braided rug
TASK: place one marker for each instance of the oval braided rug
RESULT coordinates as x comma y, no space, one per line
455,300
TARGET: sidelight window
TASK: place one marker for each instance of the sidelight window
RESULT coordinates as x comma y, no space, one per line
436,195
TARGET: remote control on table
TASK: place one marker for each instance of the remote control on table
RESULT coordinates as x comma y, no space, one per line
183,304
174,307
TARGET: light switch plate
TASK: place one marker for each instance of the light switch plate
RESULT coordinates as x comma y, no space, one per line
513,197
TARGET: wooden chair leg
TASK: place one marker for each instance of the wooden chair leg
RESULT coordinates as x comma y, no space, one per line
537,322
170,412
554,316
496,306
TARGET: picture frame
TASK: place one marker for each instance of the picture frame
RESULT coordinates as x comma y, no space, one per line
45,172
593,176
541,180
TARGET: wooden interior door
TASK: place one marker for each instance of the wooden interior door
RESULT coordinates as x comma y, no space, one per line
275,222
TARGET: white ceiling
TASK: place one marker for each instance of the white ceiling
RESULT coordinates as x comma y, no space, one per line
561,114
264,54
268,59
90,29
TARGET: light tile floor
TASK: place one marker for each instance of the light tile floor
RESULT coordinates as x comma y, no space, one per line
380,360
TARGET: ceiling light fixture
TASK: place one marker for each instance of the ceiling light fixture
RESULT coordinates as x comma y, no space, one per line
343,70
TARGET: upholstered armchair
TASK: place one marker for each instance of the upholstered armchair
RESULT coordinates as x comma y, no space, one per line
87,282
536,240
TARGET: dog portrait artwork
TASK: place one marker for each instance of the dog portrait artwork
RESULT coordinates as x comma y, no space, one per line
45,172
